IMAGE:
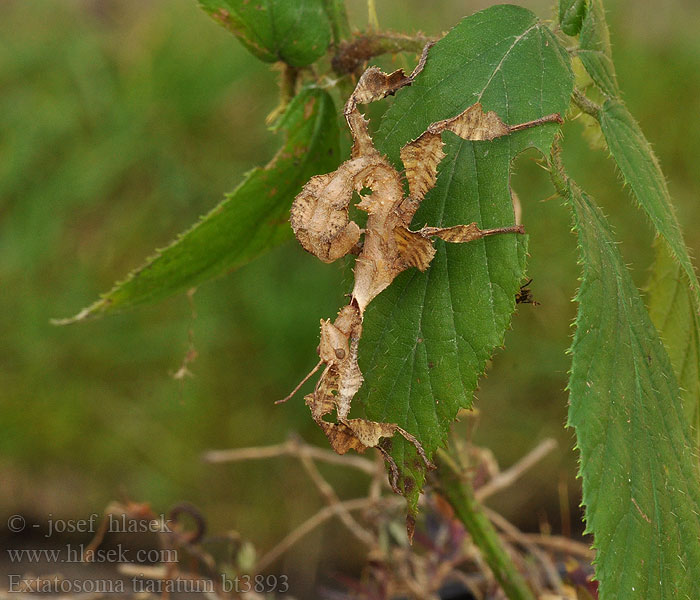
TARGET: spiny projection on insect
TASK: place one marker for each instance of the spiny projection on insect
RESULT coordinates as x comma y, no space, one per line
384,248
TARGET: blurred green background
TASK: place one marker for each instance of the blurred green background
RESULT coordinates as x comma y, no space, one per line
122,121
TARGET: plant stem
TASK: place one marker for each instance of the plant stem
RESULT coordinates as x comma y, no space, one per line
372,21
288,89
560,179
351,54
338,16
460,494
588,106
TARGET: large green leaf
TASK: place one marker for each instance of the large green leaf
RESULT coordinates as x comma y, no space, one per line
252,218
640,169
673,310
296,32
594,49
640,482
675,299
427,338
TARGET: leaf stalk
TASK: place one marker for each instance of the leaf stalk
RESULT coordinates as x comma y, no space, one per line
587,106
338,17
351,54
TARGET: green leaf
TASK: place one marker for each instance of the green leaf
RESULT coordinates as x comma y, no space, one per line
295,32
594,49
641,171
640,481
571,13
428,336
252,218
673,310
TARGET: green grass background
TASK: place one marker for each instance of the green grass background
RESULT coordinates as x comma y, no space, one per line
121,122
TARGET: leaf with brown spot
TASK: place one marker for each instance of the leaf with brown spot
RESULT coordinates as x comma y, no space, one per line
321,223
460,308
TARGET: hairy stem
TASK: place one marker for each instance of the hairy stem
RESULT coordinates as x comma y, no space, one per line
588,106
288,89
352,53
460,494
556,170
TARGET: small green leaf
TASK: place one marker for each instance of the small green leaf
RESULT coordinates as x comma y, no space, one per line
594,49
428,336
673,310
571,13
295,32
640,479
252,218
640,169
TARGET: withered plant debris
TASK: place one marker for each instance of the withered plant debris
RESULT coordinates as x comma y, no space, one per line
320,220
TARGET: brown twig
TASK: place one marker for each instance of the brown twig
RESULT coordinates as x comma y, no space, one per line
318,519
412,575
291,447
308,454
362,534
510,476
161,572
561,544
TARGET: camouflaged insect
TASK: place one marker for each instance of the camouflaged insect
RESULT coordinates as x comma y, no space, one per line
384,248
